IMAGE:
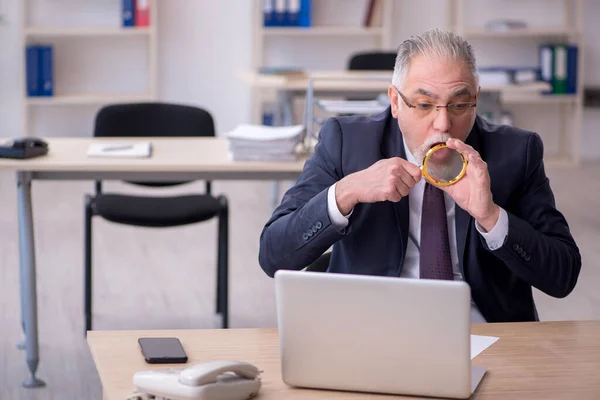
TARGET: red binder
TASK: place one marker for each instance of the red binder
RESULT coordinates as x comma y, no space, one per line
142,12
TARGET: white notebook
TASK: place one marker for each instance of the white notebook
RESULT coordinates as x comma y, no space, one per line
121,150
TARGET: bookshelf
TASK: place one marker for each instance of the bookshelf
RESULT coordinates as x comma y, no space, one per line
382,33
68,31
557,21
566,29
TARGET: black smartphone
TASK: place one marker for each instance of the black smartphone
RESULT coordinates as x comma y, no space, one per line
166,350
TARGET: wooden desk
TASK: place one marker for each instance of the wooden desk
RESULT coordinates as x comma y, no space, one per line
173,159
544,360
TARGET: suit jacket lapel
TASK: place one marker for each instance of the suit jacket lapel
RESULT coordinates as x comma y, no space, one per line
393,146
463,218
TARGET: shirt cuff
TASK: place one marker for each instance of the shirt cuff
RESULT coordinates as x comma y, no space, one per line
497,236
338,220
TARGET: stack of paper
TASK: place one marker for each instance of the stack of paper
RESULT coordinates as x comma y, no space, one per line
494,76
264,143
352,106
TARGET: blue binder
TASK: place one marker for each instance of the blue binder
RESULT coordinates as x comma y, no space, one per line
33,70
293,10
46,71
268,13
304,15
280,15
128,13
547,65
572,69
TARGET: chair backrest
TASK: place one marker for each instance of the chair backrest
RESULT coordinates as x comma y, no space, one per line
372,61
153,120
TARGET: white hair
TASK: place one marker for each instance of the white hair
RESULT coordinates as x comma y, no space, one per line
433,43
439,137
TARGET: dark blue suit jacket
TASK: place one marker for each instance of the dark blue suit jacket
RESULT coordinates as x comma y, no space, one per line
539,250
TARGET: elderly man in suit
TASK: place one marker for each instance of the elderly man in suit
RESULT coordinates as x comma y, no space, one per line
362,191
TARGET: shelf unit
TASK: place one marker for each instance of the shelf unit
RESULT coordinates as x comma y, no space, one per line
570,31
565,28
64,34
261,33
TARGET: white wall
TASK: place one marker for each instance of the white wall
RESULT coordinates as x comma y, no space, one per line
203,42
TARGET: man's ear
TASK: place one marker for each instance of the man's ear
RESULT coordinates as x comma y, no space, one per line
393,96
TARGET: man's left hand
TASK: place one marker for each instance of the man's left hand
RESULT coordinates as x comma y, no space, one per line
473,192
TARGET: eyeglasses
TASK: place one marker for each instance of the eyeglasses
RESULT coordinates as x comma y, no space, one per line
423,109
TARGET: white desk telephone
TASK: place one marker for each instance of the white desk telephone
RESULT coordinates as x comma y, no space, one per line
215,380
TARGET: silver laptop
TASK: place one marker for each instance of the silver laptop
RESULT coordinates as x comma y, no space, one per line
375,334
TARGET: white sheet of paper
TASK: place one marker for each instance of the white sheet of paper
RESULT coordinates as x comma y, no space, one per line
120,150
480,343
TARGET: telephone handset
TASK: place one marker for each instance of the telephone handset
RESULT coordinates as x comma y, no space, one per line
223,380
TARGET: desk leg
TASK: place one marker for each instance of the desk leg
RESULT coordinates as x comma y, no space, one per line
28,284
21,345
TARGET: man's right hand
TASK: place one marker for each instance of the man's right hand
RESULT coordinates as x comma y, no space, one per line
386,180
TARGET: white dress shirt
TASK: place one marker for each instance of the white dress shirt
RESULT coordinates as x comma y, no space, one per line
494,238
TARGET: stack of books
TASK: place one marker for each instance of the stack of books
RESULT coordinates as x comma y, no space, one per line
265,143
289,13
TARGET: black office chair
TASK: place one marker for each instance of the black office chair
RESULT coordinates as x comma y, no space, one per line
157,120
372,61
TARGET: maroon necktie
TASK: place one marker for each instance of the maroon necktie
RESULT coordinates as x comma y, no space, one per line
435,260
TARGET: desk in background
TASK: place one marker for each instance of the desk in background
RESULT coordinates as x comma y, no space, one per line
348,84
173,159
539,360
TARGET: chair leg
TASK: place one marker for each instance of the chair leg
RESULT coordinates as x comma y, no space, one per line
88,264
219,294
223,264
